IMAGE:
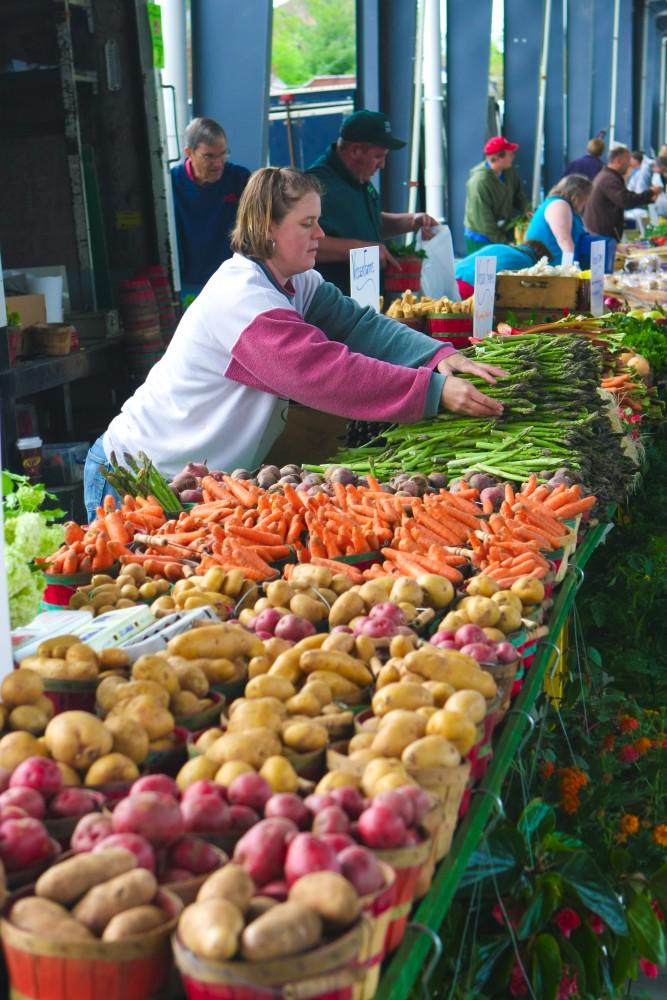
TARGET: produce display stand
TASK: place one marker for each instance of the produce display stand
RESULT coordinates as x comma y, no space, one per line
407,964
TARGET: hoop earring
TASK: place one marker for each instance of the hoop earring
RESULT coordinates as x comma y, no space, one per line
272,246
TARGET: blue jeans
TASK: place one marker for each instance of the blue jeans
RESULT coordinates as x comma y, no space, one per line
95,486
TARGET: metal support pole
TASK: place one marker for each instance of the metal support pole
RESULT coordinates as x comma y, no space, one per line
614,75
541,99
415,144
643,83
434,170
661,93
175,74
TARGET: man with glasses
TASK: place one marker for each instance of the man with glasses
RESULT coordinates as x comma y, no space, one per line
207,188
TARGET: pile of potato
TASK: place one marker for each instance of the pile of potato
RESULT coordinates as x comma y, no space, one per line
91,897
104,593
498,612
216,589
258,733
67,658
24,705
229,921
160,690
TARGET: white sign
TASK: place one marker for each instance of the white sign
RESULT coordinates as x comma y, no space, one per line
598,254
568,258
485,295
365,276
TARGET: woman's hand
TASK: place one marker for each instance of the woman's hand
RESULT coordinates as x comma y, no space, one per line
459,363
459,396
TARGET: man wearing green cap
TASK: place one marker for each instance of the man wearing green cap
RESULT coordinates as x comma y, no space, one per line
351,215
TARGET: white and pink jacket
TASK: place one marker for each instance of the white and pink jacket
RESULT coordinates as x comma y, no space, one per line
246,345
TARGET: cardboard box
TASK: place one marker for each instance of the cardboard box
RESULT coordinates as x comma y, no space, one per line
31,308
516,291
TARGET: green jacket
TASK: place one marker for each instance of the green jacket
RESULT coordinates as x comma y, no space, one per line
350,210
491,203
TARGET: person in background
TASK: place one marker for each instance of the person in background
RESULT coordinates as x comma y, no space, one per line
642,168
609,199
508,258
267,328
494,196
557,221
207,189
589,165
351,214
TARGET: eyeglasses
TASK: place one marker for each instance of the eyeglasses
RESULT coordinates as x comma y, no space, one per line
213,157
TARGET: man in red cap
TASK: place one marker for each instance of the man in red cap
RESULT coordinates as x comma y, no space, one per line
494,196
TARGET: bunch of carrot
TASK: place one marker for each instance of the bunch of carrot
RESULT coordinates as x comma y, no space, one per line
627,391
528,524
95,548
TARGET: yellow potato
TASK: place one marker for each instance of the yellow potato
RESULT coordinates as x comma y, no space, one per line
361,741
252,746
256,713
341,642
68,880
349,667
269,686
123,892
304,737
157,669
396,733
337,779
156,720
258,665
309,608
453,726
226,774
280,774
195,770
107,691
438,591
208,737
440,691
211,929
286,929
78,739
402,695
21,687
17,747
470,703
346,607
378,769
303,703
110,768
330,895
28,718
190,676
431,751
319,689
125,692
133,922
230,882
216,641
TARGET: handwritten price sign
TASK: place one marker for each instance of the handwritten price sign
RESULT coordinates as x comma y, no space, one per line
485,295
598,252
365,276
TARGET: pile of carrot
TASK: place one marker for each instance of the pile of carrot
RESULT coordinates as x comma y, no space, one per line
528,524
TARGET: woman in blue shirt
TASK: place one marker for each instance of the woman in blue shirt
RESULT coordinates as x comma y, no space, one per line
508,258
557,221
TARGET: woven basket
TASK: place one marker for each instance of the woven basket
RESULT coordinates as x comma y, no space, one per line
447,784
51,338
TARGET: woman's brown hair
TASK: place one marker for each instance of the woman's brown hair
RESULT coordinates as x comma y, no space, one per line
268,196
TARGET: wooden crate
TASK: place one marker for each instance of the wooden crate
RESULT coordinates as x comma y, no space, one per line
516,291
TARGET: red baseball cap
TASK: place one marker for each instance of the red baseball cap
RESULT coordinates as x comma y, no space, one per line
498,144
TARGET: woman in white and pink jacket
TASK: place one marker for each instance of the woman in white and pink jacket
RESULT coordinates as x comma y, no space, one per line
267,328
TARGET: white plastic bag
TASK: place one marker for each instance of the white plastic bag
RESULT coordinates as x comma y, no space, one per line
437,277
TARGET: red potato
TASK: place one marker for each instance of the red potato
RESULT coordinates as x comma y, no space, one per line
266,620
161,783
337,841
381,828
277,890
262,849
133,842
90,830
24,843
389,611
40,773
422,802
293,628
306,853
362,869
156,817
193,854
469,633
205,813
350,799
242,817
12,812
204,787
290,806
25,798
250,790
315,803
72,802
333,819
402,805
412,838
5,775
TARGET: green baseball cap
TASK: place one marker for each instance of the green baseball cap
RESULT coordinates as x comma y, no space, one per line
370,126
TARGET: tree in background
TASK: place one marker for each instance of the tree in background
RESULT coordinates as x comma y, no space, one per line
313,38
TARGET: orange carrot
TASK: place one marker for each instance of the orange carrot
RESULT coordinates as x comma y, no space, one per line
578,507
254,535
